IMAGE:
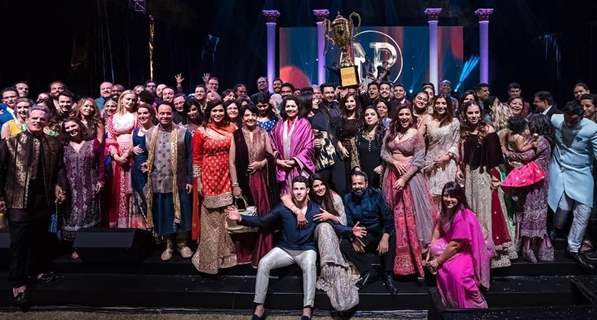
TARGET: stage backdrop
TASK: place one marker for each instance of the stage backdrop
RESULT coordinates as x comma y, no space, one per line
405,49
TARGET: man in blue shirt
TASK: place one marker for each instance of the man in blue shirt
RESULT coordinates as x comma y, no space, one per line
5,114
296,245
571,179
366,207
105,93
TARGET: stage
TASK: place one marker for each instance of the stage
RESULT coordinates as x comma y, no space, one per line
555,290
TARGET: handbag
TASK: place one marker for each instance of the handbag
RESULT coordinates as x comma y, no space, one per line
324,157
245,210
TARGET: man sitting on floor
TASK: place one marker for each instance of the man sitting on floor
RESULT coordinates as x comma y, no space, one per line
366,207
295,246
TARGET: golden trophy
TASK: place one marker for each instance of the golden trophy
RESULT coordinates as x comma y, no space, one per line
340,32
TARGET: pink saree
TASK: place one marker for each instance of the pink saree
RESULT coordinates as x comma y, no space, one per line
459,279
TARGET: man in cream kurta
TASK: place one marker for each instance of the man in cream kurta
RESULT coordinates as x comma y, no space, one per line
169,181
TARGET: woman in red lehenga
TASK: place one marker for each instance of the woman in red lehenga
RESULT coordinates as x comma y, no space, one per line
251,144
406,192
118,143
211,159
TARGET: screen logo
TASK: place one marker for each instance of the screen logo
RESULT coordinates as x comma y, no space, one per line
377,56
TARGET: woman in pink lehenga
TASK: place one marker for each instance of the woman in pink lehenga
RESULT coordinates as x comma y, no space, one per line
118,143
406,192
461,256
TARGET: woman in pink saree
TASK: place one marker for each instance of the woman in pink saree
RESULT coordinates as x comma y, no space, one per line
461,256
292,140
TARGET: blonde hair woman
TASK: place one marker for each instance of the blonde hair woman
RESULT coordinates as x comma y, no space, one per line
501,114
118,142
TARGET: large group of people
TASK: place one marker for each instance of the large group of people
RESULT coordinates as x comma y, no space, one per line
319,176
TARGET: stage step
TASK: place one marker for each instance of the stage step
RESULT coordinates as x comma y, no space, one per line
562,265
508,295
221,292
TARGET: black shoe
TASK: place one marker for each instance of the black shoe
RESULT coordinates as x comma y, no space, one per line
365,280
581,261
591,256
388,281
23,300
47,277
256,317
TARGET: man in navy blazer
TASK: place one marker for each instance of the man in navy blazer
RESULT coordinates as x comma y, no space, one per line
297,245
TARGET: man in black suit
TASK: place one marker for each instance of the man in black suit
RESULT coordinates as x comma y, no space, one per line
543,103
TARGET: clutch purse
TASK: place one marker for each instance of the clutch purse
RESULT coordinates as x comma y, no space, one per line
246,211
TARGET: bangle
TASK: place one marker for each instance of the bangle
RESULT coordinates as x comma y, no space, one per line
235,184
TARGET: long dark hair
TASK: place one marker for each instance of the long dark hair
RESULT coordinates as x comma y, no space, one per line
78,122
448,117
327,201
357,110
467,127
228,103
192,102
540,124
517,124
300,104
379,130
210,106
395,124
452,189
263,98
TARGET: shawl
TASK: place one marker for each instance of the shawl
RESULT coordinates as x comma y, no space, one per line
300,147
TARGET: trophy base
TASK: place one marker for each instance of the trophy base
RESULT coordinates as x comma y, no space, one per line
349,77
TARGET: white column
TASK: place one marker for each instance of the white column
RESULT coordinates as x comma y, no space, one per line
432,17
270,24
320,16
483,14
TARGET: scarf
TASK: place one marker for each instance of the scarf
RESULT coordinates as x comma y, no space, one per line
173,161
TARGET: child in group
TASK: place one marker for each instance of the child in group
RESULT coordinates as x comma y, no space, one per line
518,140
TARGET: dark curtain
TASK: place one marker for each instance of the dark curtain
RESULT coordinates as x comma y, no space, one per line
542,45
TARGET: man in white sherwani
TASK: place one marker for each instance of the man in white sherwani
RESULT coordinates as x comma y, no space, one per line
571,174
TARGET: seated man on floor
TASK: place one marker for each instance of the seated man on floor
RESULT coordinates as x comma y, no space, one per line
366,207
296,245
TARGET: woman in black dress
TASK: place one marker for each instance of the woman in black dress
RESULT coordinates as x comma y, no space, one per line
368,143
350,123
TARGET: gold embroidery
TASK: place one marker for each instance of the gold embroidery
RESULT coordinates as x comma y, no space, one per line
150,162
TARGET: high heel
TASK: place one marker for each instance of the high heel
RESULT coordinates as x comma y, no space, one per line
529,255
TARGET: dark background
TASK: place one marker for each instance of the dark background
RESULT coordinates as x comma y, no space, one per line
541,44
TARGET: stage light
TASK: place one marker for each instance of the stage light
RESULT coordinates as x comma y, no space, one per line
410,91
468,67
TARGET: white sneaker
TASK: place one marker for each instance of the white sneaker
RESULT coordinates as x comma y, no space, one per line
185,252
167,254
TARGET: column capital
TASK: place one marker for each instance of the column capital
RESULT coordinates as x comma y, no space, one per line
483,13
433,13
321,14
270,15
